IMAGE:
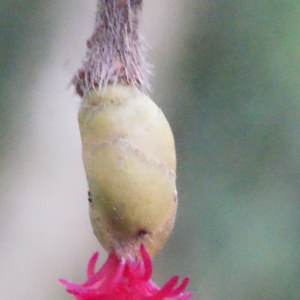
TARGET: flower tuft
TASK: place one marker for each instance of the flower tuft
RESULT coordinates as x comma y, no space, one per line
129,279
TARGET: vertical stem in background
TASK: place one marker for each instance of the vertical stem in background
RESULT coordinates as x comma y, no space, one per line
115,52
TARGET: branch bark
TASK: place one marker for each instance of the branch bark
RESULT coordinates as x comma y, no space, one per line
115,51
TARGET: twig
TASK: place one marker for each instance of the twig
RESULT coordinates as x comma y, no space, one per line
115,52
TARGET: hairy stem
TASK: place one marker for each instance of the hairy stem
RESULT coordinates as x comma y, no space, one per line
115,52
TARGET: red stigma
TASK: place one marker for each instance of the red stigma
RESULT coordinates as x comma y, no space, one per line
129,279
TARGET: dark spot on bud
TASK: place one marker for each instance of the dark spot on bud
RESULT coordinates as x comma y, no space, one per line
90,197
141,233
89,43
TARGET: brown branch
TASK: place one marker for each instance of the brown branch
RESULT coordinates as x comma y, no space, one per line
115,52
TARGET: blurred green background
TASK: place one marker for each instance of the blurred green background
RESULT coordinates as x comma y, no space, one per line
227,77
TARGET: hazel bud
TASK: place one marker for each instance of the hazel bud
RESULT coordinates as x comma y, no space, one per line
130,163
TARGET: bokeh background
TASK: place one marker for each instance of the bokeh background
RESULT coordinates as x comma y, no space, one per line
227,77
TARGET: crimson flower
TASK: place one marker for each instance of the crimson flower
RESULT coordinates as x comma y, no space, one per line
125,279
